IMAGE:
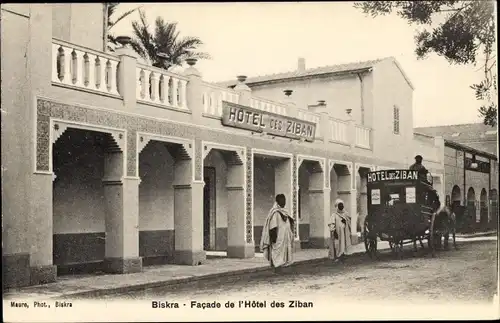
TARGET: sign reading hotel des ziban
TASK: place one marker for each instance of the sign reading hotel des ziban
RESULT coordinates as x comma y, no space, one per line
238,116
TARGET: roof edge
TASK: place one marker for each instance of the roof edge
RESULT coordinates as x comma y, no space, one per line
294,78
454,144
405,76
373,62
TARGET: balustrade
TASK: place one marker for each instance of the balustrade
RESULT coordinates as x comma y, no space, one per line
213,97
338,130
362,137
269,106
161,87
84,68
311,117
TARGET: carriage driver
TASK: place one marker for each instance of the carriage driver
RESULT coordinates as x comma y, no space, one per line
422,171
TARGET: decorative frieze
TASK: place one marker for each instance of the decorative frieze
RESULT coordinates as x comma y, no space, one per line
48,109
249,197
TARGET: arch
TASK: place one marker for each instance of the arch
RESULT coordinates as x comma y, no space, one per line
471,195
456,196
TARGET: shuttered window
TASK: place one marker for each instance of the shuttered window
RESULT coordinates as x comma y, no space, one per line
396,120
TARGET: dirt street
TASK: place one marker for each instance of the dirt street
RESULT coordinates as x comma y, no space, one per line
467,274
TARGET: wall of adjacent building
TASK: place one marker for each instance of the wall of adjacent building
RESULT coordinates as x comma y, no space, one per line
79,23
389,89
338,92
16,102
475,181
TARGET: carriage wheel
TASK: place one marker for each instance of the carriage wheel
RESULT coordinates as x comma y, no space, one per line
432,236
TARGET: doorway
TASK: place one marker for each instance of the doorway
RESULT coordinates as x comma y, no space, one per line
209,208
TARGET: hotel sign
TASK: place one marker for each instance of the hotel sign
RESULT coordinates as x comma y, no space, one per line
238,116
392,175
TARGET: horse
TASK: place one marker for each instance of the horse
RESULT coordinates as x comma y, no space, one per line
445,222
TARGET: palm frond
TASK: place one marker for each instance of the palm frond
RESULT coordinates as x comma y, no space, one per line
139,49
111,8
164,38
144,37
111,24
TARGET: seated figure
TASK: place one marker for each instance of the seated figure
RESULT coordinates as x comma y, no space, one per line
422,171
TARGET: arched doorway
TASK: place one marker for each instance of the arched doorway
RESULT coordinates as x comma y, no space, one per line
471,208
456,196
483,211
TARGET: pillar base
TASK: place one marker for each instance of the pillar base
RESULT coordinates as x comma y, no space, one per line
117,265
246,251
318,243
16,270
43,275
191,258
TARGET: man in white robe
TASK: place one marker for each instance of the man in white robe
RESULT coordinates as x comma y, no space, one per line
277,235
340,228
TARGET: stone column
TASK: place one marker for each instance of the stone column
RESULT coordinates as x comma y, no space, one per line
39,221
128,77
283,184
351,132
244,91
319,207
237,247
326,130
188,215
42,269
353,212
194,92
122,217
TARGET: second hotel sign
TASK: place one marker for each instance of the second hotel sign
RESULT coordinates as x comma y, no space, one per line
239,116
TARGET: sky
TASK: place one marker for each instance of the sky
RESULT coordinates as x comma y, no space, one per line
263,38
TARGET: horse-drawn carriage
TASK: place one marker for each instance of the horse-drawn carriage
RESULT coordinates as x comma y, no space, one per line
403,207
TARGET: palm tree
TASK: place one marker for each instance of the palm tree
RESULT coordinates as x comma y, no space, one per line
111,22
164,41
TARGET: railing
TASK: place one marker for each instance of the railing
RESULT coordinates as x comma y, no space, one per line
161,87
213,97
362,137
338,130
84,68
311,117
268,105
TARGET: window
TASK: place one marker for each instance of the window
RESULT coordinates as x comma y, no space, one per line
396,120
